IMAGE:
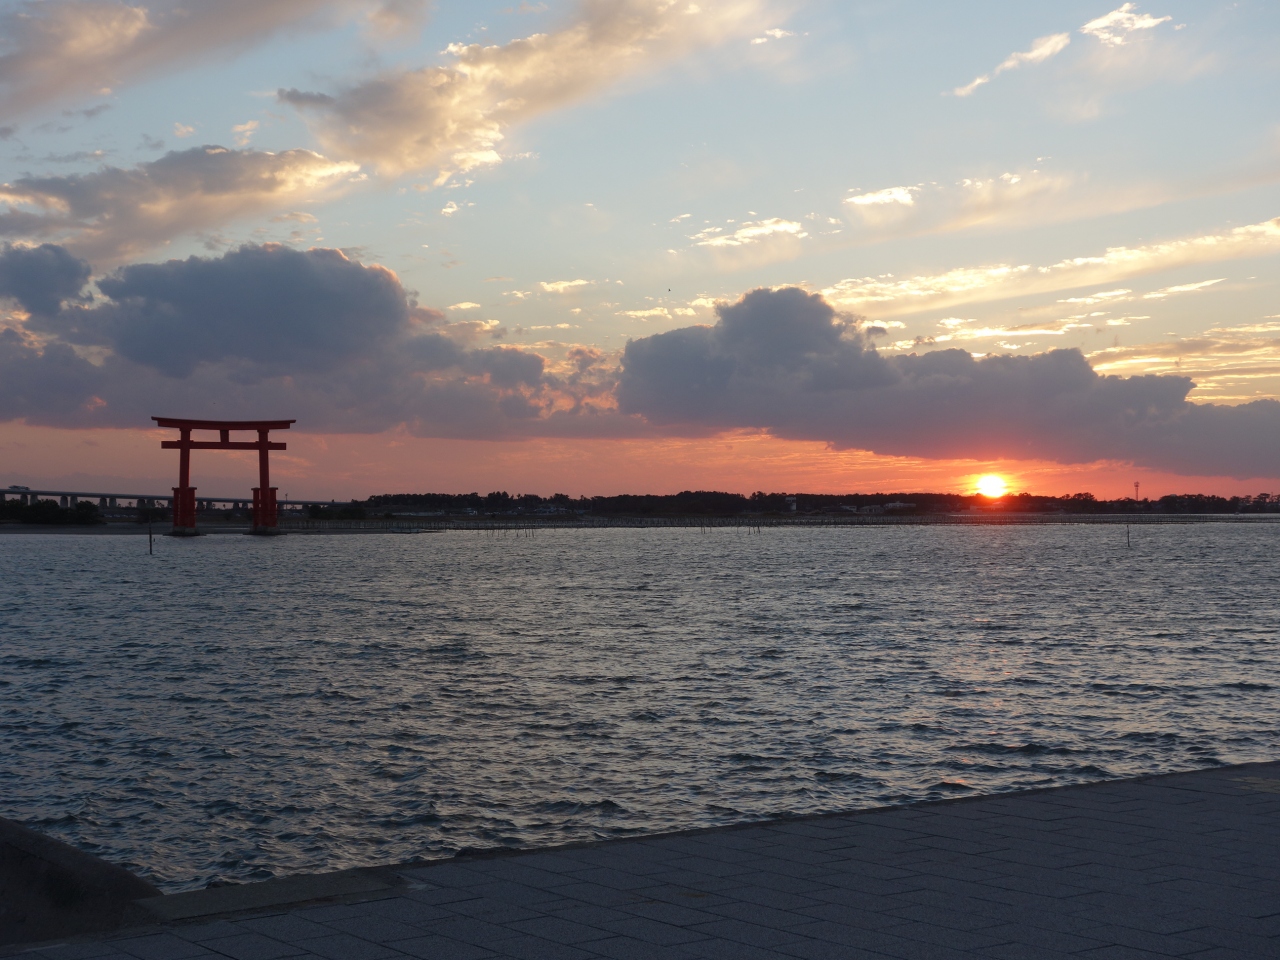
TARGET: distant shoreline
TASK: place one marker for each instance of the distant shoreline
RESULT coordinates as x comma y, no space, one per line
532,524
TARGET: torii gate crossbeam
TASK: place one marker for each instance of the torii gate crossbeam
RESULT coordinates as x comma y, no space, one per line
265,519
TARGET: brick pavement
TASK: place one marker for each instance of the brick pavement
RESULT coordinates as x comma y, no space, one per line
1186,865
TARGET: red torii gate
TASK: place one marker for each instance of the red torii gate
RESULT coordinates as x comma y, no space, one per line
184,495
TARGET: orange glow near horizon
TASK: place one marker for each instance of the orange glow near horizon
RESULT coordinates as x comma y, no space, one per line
992,485
347,466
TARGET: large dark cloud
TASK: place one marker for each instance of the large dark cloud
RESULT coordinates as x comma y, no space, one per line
272,331
785,361
274,307
41,278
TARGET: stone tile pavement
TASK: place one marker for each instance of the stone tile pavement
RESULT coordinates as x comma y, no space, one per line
1185,865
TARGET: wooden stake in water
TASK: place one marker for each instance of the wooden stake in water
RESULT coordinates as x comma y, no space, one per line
151,549
1127,542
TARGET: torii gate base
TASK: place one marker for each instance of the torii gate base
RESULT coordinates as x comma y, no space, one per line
265,518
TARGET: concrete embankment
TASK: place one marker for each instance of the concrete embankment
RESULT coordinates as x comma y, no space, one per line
49,889
1177,866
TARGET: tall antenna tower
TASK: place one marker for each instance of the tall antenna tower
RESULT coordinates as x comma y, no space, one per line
1135,491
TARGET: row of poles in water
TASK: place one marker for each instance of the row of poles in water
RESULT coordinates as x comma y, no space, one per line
518,532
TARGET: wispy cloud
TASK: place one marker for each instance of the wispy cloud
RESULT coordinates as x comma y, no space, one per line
1181,288
1228,364
1102,296
244,132
1012,197
888,295
899,195
57,49
563,286
1041,50
453,119
1123,294
1114,29
753,231
774,34
115,213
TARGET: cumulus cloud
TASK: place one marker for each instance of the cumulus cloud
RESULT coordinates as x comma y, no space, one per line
888,295
41,278
272,309
786,361
114,213
1041,50
56,49
452,119
312,334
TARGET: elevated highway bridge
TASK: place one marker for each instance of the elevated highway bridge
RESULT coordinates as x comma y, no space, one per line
69,498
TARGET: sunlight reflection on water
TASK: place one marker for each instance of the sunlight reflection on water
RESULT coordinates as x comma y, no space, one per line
238,708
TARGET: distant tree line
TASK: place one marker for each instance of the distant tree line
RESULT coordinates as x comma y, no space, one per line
49,512
692,503
708,503
339,511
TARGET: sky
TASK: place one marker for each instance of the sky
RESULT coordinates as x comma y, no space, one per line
644,245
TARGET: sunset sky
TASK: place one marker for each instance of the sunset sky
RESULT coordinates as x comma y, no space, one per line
644,245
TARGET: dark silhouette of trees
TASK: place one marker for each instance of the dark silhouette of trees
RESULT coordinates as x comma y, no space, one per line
48,512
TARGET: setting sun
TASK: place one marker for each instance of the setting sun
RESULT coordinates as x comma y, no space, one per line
992,485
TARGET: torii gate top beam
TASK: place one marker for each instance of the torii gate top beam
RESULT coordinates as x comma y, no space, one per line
223,424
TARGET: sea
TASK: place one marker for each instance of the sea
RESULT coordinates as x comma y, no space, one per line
233,708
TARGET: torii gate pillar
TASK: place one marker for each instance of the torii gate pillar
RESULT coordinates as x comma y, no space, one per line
265,518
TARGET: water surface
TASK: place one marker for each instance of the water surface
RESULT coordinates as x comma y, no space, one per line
235,708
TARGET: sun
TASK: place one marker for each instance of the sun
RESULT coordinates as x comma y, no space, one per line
992,485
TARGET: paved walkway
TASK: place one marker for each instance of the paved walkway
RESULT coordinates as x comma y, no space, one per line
1178,866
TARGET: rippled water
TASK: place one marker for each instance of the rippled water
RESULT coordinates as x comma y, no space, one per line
237,708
